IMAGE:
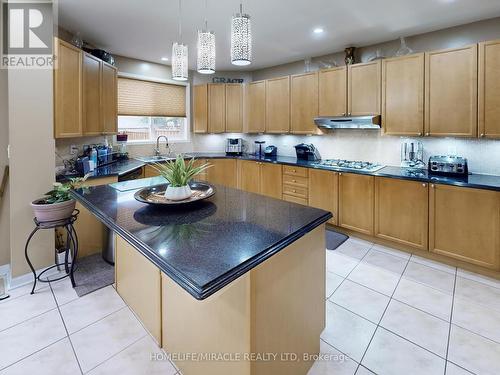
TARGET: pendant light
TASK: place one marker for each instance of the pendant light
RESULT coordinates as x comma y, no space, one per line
206,48
180,55
241,39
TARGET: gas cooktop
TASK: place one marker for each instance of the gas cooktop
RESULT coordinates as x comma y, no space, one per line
362,166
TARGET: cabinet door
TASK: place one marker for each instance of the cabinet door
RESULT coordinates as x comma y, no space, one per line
67,90
109,94
223,172
278,105
324,192
451,92
271,180
91,77
200,109
216,108
333,92
304,103
356,196
403,95
489,89
464,224
234,108
249,176
401,211
256,111
364,88
149,171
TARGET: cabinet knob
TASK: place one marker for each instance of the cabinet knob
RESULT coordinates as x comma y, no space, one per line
343,114
432,186
340,173
349,114
427,134
294,180
419,134
294,190
482,134
424,185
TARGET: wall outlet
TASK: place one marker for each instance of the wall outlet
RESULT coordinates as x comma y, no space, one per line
73,149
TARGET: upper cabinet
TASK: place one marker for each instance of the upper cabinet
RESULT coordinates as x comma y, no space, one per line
256,107
234,108
67,91
489,89
403,95
451,92
91,79
304,103
200,108
109,97
216,108
364,89
333,92
278,105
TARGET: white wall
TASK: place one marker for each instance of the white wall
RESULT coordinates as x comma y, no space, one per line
4,141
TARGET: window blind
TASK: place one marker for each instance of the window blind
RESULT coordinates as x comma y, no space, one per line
145,98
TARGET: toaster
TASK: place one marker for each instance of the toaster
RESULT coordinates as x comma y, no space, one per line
448,165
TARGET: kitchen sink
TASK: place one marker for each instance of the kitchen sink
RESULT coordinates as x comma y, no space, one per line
159,158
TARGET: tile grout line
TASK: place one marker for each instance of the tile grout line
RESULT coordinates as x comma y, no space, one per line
30,318
451,320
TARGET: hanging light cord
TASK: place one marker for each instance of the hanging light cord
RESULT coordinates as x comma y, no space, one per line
180,22
206,15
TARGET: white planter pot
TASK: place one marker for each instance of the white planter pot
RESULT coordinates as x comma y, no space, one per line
178,193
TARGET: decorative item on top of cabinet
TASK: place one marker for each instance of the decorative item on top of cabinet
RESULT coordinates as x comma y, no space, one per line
451,92
403,95
324,191
333,92
304,103
402,211
278,105
364,83
256,107
464,224
356,202
489,89
349,55
234,108
216,108
67,90
109,97
200,108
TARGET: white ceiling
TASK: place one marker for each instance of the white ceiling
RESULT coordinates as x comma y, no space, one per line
282,29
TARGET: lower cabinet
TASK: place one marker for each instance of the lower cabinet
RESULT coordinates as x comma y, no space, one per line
249,172
356,202
222,172
260,178
149,171
465,224
324,191
401,211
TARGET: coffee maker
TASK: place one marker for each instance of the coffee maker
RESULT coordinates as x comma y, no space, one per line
412,155
234,146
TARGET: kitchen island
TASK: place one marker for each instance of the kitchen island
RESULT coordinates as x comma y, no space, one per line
233,285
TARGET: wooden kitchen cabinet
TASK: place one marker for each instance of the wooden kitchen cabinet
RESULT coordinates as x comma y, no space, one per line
324,191
333,92
222,172
403,95
464,224
296,184
256,107
304,103
451,92
356,202
278,105
401,211
489,89
216,108
149,171
260,178
200,108
91,79
234,108
67,90
109,96
249,176
364,84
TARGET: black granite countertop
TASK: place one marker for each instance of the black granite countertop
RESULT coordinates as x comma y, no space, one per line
206,246
118,168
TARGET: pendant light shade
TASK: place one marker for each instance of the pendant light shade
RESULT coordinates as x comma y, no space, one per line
206,52
241,39
180,55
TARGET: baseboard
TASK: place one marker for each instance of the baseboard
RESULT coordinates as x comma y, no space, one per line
18,281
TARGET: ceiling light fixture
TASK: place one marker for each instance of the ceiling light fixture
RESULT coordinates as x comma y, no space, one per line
318,30
206,48
180,55
241,39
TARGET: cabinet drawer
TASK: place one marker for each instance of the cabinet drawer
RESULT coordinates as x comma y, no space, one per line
296,191
295,171
291,198
295,180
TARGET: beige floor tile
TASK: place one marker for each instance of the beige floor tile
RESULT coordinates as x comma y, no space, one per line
433,264
339,264
63,291
424,298
30,336
332,282
473,352
332,362
418,327
25,289
346,331
136,359
361,300
57,359
354,249
477,318
385,261
391,251
102,340
389,354
375,278
453,369
435,278
364,371
478,292
479,278
90,308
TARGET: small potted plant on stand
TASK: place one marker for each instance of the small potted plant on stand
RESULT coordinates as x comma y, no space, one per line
179,173
57,203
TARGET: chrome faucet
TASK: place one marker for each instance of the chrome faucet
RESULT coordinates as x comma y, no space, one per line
157,149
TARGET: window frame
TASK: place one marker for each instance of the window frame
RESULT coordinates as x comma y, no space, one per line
169,82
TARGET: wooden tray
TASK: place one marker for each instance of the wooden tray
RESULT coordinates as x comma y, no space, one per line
154,195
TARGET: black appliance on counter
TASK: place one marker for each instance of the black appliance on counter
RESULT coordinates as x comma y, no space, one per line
270,151
448,166
307,152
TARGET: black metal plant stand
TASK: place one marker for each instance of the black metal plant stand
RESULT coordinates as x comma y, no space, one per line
71,248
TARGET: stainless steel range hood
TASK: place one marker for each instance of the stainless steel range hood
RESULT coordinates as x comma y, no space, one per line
348,122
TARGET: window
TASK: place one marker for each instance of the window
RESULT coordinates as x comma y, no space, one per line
148,109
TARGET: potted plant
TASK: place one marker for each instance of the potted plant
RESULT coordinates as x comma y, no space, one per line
57,204
179,173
